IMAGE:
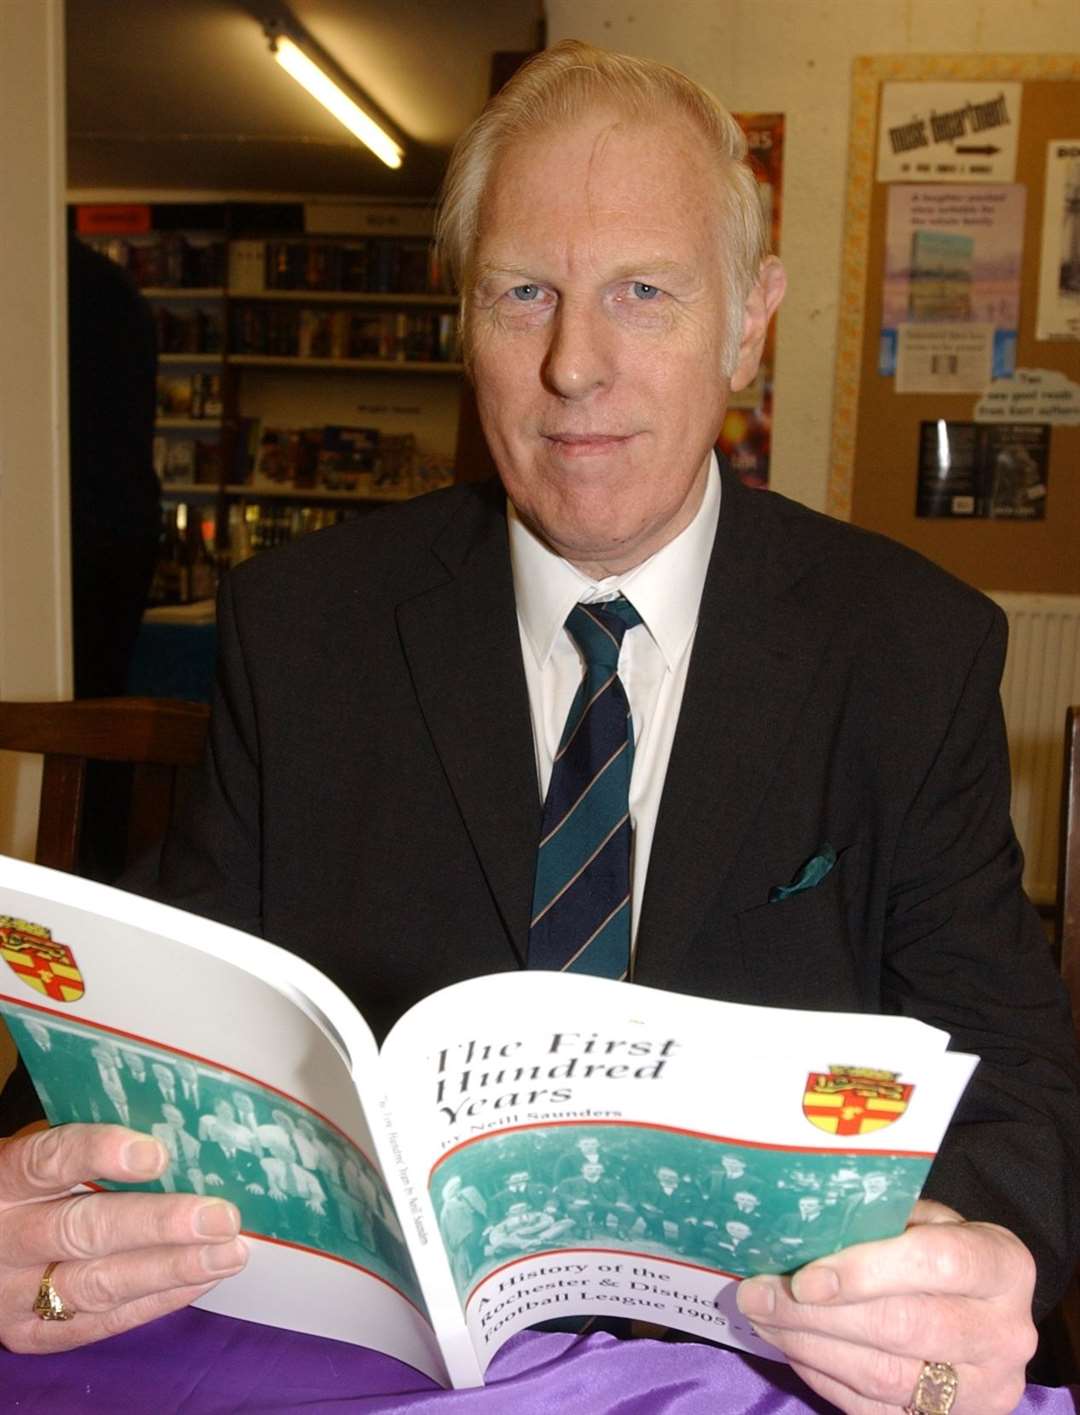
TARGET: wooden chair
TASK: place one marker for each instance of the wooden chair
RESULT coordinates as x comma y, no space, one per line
156,738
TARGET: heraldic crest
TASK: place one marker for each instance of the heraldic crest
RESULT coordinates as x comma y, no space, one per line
853,1100
44,965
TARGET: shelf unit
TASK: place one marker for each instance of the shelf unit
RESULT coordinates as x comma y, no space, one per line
351,297
183,292
301,362
266,254
165,359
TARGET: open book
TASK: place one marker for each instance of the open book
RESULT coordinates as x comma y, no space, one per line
525,1146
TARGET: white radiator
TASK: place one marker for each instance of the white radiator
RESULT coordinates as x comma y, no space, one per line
1042,677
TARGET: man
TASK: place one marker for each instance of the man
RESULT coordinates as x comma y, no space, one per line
671,1209
183,1149
166,1084
810,1223
462,1222
519,1188
594,1202
392,696
875,1211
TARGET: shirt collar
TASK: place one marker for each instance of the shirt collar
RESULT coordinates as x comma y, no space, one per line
665,589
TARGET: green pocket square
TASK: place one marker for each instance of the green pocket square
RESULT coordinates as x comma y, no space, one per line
810,874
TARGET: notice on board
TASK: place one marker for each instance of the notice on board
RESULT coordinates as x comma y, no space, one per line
948,132
1059,266
970,472
1032,395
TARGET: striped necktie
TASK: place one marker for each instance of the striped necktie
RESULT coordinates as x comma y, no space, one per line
581,901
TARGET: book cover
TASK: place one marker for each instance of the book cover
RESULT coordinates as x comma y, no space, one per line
525,1146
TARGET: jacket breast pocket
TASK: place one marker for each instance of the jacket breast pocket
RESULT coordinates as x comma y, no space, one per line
797,952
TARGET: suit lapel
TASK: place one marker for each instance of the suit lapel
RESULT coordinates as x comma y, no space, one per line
755,654
461,640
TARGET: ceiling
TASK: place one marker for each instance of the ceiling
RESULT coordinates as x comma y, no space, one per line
183,94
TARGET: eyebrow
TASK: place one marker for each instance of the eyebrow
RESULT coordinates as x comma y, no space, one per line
623,271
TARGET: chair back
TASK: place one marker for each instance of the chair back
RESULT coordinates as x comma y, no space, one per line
155,738
1068,896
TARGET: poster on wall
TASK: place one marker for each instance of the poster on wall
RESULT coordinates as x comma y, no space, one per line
948,132
1059,268
952,258
746,435
977,471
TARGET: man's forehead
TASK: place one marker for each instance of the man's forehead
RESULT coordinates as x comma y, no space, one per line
608,173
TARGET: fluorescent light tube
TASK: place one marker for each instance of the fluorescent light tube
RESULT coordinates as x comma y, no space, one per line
295,62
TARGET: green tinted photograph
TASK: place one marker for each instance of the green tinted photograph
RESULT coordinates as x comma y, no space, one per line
292,1176
738,1209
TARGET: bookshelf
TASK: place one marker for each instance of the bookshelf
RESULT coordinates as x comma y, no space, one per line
308,365
299,363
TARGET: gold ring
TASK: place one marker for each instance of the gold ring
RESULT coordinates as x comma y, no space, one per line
935,1390
48,1304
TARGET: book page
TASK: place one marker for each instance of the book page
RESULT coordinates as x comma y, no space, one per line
584,1146
244,1062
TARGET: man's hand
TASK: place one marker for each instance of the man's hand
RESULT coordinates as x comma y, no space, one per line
122,1259
858,1325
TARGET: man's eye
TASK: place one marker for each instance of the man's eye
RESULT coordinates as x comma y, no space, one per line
525,293
643,291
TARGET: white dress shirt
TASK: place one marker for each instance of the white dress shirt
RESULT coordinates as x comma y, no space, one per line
666,591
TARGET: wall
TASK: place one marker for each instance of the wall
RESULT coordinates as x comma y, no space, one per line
34,584
34,593
794,56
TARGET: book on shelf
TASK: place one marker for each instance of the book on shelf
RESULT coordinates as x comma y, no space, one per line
168,259
247,267
390,265
305,332
523,1146
348,458
190,395
187,331
244,449
260,525
183,460
337,458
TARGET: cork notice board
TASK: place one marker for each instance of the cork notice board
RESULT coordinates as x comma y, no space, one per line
877,432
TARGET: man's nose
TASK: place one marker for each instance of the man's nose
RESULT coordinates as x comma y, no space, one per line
580,357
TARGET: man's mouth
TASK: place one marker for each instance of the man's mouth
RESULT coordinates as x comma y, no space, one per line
587,444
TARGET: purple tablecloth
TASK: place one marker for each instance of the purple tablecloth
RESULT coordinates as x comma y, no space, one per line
200,1364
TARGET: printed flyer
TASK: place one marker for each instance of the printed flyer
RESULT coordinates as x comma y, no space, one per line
746,436
1059,269
952,259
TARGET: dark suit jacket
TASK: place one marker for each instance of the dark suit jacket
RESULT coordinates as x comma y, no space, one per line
370,801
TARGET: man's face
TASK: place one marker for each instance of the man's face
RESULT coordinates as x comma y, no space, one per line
592,1172
596,325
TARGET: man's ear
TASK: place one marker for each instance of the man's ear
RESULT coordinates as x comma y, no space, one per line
761,305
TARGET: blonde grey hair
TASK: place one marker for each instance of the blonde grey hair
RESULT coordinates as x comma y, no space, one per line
558,86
